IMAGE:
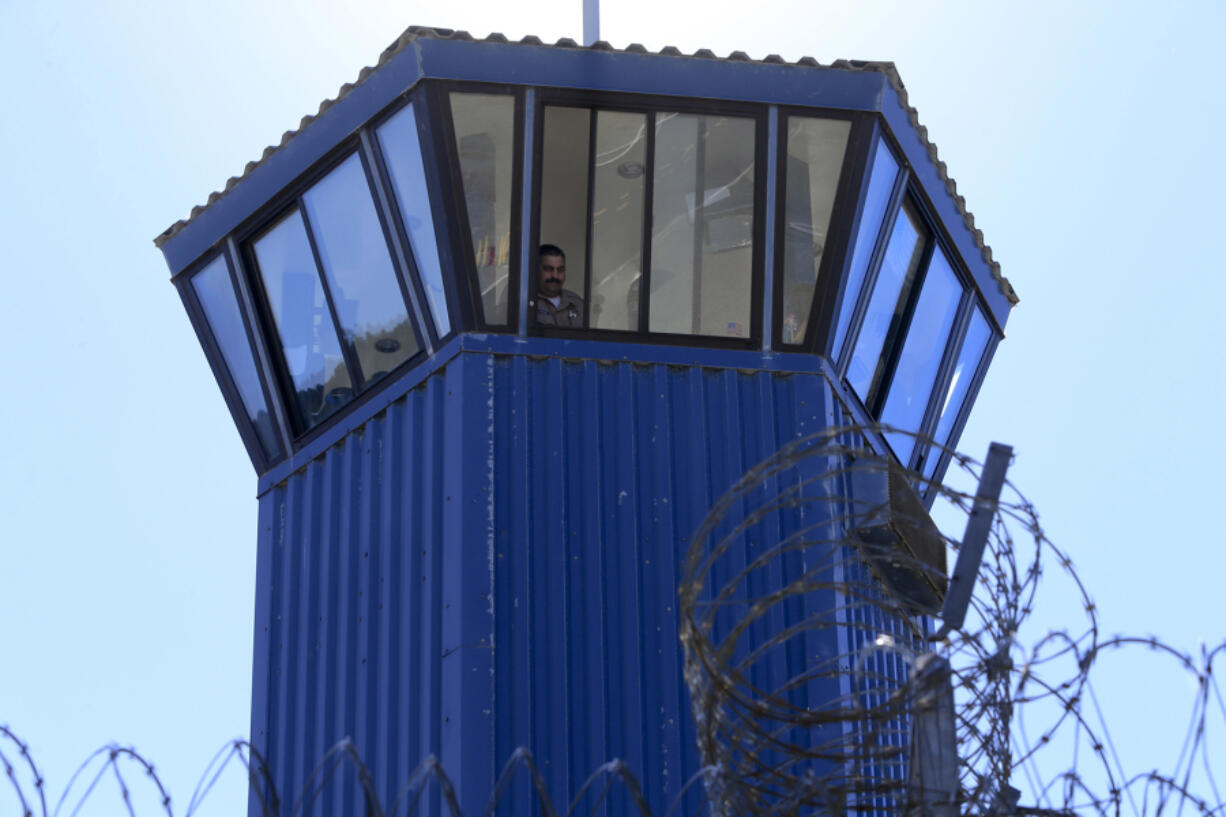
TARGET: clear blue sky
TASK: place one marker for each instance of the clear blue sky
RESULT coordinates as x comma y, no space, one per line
1084,136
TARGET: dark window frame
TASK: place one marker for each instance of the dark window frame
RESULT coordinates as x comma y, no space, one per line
971,300
381,177
906,188
290,200
937,240
949,359
874,130
285,378
349,352
893,207
433,119
905,193
896,335
939,237
221,372
964,410
650,105
453,204
949,355
844,217
908,192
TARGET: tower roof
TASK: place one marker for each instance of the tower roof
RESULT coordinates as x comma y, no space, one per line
414,37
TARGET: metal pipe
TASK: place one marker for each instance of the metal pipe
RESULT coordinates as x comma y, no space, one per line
591,21
978,524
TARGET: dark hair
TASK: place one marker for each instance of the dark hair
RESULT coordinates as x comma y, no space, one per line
551,249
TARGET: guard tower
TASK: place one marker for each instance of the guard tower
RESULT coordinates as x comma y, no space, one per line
470,523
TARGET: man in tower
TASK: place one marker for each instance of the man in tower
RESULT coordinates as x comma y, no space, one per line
555,306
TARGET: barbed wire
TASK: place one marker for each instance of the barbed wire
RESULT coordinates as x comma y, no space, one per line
825,526
816,685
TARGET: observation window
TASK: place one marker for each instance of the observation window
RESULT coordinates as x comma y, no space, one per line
815,150
296,300
333,295
975,346
215,293
484,126
886,310
353,252
876,202
401,147
898,363
566,142
659,204
923,349
702,225
655,211
618,204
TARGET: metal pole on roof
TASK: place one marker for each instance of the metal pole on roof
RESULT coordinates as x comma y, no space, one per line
591,21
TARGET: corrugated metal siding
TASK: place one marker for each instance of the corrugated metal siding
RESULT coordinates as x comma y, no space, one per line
364,594
493,562
878,674
616,464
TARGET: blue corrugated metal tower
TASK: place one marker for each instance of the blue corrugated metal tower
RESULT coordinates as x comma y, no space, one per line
477,483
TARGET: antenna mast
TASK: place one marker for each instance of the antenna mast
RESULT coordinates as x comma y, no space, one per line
591,21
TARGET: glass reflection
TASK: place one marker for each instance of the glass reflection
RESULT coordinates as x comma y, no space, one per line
815,149
619,190
402,153
702,225
974,347
922,353
309,345
216,295
484,132
353,250
885,308
880,184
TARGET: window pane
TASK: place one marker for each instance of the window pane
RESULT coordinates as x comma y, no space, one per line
814,159
702,225
217,299
358,266
617,219
564,169
922,352
402,151
308,338
880,183
885,309
978,336
484,132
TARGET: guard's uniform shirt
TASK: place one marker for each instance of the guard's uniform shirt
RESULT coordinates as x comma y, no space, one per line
568,312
